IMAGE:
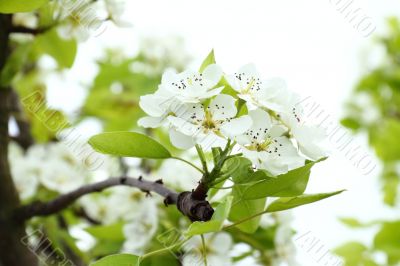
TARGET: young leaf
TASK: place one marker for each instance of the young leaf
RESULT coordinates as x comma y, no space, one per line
293,202
119,259
129,144
216,222
16,6
210,59
291,184
243,208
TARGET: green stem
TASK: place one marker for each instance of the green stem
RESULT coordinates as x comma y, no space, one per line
203,242
223,187
160,251
189,163
234,155
246,219
202,158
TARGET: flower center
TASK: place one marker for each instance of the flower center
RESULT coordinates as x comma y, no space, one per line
209,123
260,145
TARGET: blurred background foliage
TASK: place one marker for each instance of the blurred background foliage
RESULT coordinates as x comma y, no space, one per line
374,110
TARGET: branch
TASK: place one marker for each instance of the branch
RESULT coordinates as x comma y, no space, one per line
23,29
195,210
63,201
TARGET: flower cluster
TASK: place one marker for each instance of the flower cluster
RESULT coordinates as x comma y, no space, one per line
262,117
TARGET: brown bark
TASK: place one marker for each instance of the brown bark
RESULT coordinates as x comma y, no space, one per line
12,251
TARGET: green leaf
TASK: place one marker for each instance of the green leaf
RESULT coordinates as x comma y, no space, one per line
63,51
111,232
239,168
118,260
129,144
243,208
386,140
210,59
350,123
354,254
15,6
291,184
216,222
293,202
388,240
354,223
351,222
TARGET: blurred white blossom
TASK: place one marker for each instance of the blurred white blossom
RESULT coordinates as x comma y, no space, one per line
217,248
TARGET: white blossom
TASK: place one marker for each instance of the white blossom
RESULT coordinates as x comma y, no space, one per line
217,245
115,10
191,86
186,179
256,91
208,126
310,138
175,90
99,208
267,147
141,227
24,172
61,176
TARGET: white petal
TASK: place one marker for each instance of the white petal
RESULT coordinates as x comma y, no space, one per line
261,119
180,140
210,140
212,74
273,87
231,79
283,152
236,126
190,112
168,77
222,107
213,92
249,70
243,139
253,156
150,122
221,243
151,104
183,126
274,166
276,131
192,259
310,140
